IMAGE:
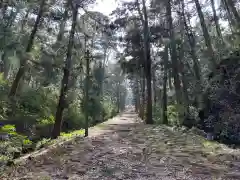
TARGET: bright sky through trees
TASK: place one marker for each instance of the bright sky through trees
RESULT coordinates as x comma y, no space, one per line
105,6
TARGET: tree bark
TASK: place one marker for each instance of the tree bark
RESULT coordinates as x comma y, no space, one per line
148,64
87,92
164,99
234,11
196,65
142,106
65,81
229,15
170,78
137,96
62,25
154,89
23,63
181,56
206,35
175,63
215,17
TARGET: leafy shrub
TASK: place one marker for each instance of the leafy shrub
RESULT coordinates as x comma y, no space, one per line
15,145
72,134
8,128
46,121
44,127
172,115
42,101
109,110
157,114
4,88
73,117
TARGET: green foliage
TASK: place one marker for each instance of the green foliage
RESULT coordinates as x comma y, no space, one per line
172,114
42,101
157,114
3,96
46,121
8,128
27,142
73,117
72,134
15,145
110,109
3,82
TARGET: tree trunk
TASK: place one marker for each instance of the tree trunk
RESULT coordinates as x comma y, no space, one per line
87,92
148,64
170,78
24,20
4,56
215,17
23,63
206,35
196,66
230,18
142,106
62,24
154,89
137,96
66,73
183,78
118,97
234,11
164,99
175,63
181,56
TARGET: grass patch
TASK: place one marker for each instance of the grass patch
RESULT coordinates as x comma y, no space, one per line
72,134
63,137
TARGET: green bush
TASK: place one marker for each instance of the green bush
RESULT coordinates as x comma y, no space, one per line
4,105
109,110
15,145
42,101
44,127
172,115
8,128
157,114
73,117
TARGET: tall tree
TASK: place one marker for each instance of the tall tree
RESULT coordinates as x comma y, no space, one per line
215,17
66,75
192,45
25,58
207,38
164,99
174,58
148,64
233,8
86,97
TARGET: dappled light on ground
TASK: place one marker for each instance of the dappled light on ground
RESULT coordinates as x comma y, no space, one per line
124,148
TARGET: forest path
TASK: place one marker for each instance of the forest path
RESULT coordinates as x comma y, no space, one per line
114,151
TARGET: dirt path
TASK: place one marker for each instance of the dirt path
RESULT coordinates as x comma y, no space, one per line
123,148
